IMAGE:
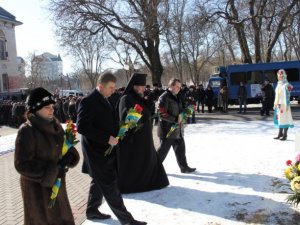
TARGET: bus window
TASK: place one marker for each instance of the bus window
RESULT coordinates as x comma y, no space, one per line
236,78
271,75
292,74
254,77
215,83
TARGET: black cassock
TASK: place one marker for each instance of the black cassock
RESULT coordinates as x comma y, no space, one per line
139,167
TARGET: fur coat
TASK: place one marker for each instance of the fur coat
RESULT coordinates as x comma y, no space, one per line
38,148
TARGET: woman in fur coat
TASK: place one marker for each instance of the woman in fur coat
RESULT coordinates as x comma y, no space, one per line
38,160
282,107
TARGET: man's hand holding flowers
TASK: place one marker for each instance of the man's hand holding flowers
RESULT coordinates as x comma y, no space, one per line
113,141
182,117
131,121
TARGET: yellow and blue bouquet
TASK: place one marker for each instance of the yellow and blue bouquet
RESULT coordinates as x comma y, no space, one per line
184,116
69,141
131,121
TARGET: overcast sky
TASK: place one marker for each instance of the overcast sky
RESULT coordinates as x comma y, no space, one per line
36,34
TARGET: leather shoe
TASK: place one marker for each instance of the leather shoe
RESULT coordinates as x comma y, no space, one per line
187,169
278,137
96,215
135,222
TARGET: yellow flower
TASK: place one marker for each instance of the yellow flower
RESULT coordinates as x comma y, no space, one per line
295,184
289,173
298,167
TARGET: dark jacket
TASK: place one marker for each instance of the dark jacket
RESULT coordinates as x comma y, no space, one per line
38,147
242,92
96,122
139,167
170,107
268,91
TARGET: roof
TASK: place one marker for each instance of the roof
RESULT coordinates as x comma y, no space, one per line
52,57
6,16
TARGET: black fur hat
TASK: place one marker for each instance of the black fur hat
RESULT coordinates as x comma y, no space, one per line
38,98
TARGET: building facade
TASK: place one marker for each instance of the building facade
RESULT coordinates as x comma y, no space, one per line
9,75
47,66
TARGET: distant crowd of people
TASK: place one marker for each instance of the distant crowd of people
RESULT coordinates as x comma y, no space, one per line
12,111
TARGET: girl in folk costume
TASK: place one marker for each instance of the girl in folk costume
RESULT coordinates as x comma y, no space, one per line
38,159
282,107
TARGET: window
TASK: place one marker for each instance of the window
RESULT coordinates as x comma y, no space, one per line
3,50
271,75
237,77
255,77
215,83
292,75
5,82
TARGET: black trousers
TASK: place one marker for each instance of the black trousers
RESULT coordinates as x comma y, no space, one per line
266,106
95,198
105,184
178,147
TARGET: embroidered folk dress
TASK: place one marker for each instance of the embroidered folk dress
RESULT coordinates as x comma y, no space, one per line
282,115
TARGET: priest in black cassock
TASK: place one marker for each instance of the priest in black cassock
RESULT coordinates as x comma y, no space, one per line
139,167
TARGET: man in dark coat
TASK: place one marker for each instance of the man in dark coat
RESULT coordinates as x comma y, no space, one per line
170,106
201,98
137,157
242,96
98,124
268,98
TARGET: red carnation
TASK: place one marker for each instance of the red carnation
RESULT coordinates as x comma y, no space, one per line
138,108
163,112
289,162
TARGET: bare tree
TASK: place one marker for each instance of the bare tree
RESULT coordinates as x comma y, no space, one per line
198,46
126,57
174,33
36,68
88,50
134,22
255,21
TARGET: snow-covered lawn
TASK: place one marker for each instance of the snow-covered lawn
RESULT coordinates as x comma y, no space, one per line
239,166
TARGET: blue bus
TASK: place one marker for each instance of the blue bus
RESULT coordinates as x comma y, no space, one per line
253,76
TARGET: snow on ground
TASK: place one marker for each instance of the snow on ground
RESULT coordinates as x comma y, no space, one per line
239,166
7,143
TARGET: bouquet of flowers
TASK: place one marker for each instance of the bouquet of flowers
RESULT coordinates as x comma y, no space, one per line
131,121
69,141
183,115
292,173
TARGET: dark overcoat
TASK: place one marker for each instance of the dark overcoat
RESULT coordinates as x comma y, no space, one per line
38,148
172,106
96,122
139,167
